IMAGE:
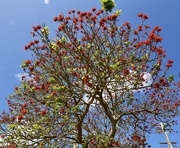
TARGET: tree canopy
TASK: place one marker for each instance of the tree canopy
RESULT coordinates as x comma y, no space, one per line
96,84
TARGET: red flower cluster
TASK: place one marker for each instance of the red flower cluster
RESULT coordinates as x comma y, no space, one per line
169,64
59,18
93,9
126,72
53,93
143,16
154,37
36,28
86,80
158,29
61,111
114,144
23,111
20,117
127,24
139,140
61,27
76,74
31,44
43,112
28,62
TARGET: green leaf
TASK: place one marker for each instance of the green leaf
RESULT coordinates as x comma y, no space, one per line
75,108
145,57
63,40
118,12
115,66
52,80
23,65
171,78
45,30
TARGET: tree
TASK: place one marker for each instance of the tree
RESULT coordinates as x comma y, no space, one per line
96,84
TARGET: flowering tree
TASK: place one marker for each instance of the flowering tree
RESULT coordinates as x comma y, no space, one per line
96,84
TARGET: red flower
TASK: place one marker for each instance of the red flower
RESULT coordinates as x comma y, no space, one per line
23,111
127,24
38,27
31,68
148,42
117,143
75,74
139,28
151,36
62,124
160,51
31,101
78,12
156,29
86,80
43,112
105,28
25,47
126,72
61,111
113,17
92,142
53,93
36,41
145,17
168,65
140,15
60,18
20,117
31,43
75,20
158,39
13,118
23,77
55,18
68,18
11,146
34,28
157,85
25,105
98,13
135,32
33,34
170,61
36,78
38,87
16,88
61,27
93,9
101,11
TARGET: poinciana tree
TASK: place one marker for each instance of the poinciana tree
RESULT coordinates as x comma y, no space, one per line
96,84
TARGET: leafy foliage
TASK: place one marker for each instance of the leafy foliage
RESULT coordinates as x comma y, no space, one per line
96,84
107,5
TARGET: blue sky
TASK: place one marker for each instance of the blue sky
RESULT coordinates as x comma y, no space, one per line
18,16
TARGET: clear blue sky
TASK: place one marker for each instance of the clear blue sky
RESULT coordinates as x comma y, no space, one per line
18,16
